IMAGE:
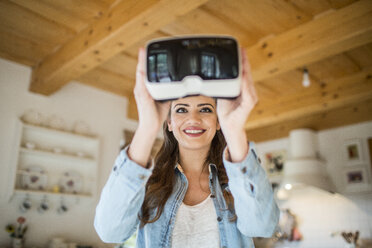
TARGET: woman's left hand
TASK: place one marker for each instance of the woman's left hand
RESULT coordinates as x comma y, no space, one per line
233,114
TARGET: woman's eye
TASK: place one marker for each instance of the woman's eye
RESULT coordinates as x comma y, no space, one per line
181,110
206,110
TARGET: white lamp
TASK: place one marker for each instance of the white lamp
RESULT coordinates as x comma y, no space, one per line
305,78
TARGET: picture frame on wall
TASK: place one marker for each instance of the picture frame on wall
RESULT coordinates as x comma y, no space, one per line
274,163
353,152
356,179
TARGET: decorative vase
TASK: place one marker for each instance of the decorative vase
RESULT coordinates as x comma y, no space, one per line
17,243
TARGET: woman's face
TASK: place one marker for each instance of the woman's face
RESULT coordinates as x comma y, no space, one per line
193,121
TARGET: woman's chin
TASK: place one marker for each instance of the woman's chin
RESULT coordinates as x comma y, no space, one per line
195,144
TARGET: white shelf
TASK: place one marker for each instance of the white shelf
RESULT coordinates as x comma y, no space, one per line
60,132
25,172
54,164
55,155
50,193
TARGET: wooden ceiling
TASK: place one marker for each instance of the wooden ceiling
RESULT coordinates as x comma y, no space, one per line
95,42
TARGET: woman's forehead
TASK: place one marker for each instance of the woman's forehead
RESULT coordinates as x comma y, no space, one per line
194,100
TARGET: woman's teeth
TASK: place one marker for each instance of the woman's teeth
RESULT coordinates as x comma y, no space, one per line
194,131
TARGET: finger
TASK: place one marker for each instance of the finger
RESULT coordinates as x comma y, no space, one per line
140,87
141,61
245,79
223,105
248,85
247,72
140,70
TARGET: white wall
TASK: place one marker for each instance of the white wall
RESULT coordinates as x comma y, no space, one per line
106,115
320,214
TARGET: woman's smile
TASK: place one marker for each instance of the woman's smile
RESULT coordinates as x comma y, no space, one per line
194,131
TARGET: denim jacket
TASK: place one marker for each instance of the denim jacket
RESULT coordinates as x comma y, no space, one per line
121,199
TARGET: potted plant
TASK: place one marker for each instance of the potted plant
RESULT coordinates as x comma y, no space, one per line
17,232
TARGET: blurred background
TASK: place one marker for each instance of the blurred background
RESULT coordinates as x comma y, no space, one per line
67,72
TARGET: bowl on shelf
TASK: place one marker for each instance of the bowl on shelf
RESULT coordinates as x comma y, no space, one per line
34,178
81,127
32,117
30,145
71,182
56,122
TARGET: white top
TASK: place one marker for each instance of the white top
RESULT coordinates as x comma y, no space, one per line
196,226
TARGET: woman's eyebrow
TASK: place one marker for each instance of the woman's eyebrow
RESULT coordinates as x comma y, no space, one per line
199,105
204,104
181,104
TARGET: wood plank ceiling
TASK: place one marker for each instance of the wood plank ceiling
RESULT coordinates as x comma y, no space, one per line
95,42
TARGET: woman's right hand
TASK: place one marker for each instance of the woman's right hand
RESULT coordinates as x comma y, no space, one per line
151,115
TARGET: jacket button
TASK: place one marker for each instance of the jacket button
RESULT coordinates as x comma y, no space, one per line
244,170
219,218
115,168
213,196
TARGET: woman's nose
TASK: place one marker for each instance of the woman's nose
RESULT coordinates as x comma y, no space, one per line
194,117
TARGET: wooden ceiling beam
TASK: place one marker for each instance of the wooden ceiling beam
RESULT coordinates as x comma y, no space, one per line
119,28
352,114
108,81
346,91
328,35
316,93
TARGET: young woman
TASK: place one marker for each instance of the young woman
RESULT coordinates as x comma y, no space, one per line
198,193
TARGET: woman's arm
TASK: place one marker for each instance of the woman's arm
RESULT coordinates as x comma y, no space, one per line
151,115
121,199
122,196
233,114
254,202
253,197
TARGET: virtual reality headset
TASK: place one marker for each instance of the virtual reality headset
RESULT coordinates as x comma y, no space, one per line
193,65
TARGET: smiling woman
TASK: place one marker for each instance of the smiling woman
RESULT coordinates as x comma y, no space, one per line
193,121
198,192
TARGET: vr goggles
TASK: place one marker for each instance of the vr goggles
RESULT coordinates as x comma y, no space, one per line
199,65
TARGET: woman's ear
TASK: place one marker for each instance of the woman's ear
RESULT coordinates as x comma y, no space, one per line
169,125
218,126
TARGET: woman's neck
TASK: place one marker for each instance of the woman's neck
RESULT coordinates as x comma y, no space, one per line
192,161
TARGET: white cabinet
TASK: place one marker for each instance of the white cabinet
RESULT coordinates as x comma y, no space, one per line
54,162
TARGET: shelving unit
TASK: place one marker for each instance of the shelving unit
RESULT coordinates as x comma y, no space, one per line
68,160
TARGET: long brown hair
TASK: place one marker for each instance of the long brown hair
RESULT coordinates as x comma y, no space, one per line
160,185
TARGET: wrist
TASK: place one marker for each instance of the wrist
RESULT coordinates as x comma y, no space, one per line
233,131
237,144
232,126
140,148
150,131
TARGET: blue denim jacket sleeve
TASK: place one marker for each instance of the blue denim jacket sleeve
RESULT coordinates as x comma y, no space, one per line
255,207
121,199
